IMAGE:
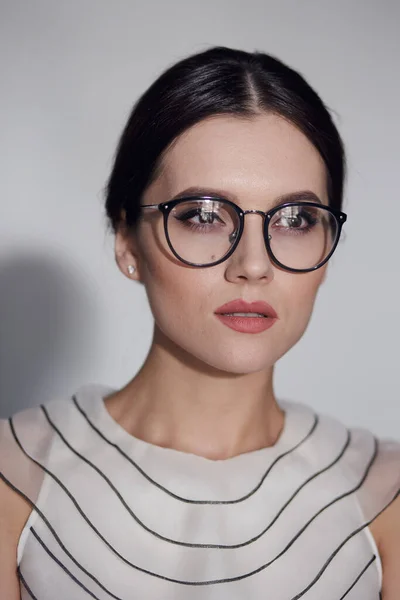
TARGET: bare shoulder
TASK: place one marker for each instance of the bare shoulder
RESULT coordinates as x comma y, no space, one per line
14,512
386,531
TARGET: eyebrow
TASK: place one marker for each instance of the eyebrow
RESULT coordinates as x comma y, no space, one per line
299,196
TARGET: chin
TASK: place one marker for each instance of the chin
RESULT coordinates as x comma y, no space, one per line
237,360
242,367
244,364
246,354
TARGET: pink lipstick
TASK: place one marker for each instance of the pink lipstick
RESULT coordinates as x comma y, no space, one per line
247,317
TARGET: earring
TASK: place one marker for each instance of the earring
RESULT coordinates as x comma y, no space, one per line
131,269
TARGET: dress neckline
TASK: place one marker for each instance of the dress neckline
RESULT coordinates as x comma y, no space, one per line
92,398
190,477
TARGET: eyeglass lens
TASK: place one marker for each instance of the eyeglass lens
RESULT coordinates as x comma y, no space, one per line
203,231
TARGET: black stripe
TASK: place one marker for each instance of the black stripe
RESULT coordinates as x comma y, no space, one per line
58,540
341,546
189,501
67,571
226,580
359,576
321,572
369,563
186,582
26,586
161,537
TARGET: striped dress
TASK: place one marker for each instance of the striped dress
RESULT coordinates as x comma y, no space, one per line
115,517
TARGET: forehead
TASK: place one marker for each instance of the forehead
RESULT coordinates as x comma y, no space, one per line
251,160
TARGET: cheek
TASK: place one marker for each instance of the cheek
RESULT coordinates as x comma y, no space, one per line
174,289
179,297
298,293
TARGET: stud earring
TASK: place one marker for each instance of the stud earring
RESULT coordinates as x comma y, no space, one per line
131,269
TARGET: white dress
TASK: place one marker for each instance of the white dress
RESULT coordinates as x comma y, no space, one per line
118,518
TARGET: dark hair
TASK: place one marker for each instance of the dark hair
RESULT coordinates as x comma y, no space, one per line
215,82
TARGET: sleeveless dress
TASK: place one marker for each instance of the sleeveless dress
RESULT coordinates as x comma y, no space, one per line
115,517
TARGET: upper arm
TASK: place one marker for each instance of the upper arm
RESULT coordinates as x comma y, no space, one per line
386,530
14,512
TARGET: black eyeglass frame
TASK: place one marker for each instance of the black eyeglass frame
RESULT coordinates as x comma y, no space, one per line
166,208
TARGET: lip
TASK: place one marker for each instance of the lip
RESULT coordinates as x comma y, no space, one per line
247,324
242,306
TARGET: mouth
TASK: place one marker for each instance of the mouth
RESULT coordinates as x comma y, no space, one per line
249,314
247,317
241,308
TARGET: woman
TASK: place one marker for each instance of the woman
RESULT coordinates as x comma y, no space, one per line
193,480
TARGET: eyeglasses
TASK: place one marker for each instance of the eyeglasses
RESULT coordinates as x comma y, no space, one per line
203,231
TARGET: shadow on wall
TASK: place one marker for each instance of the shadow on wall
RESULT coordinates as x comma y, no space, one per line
47,329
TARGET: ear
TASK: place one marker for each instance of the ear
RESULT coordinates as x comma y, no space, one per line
126,253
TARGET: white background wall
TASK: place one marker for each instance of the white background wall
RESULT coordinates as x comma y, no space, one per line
70,72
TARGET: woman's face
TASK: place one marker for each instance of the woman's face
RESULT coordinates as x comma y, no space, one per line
252,162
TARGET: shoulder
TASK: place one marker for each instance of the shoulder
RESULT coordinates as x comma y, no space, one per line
19,480
382,477
385,524
373,465
367,465
375,459
14,513
31,440
25,445
378,497
386,531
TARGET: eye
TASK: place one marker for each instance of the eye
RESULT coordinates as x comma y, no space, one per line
205,216
296,219
292,221
211,217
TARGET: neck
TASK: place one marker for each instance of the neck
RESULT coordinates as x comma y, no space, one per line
177,402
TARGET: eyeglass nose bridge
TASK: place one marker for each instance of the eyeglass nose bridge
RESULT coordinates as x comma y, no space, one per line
256,212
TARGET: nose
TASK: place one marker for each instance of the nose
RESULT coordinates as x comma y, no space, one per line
250,261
